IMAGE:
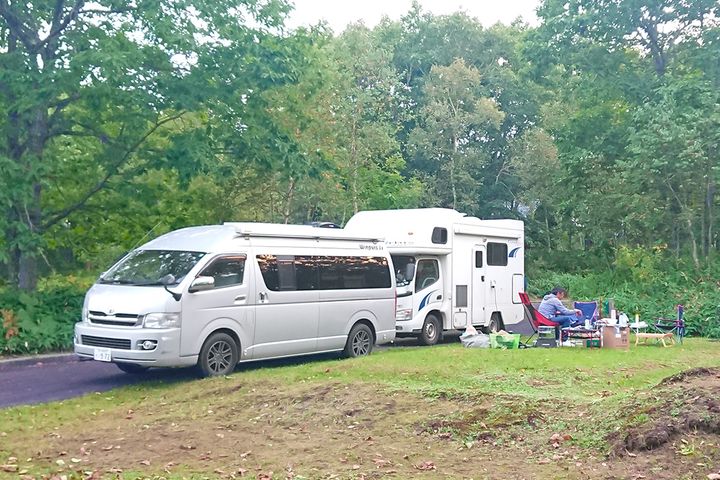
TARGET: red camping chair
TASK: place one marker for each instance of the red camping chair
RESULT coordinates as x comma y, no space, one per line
536,318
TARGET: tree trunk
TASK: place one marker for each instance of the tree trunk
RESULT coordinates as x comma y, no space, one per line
709,201
290,195
693,242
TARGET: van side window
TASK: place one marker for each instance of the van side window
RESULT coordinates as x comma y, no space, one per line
226,271
497,254
439,235
343,273
428,273
288,272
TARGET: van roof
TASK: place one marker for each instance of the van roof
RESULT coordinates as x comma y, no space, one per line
206,238
209,238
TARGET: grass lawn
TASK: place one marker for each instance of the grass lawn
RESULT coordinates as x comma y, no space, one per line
439,412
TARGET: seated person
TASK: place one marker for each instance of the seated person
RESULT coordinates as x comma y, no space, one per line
552,308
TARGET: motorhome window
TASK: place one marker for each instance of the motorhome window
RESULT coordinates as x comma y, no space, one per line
427,274
404,269
497,254
478,259
343,273
147,267
226,271
439,235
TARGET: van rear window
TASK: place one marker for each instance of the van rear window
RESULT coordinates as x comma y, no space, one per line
292,273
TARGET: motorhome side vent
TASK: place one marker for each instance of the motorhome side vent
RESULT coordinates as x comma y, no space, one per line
439,235
497,254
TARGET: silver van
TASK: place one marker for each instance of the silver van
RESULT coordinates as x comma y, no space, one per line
213,296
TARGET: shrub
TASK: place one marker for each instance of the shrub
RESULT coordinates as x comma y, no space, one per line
40,321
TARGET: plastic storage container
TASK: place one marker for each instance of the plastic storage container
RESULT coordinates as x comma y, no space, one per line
511,340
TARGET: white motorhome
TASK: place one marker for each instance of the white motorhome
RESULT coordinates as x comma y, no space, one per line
451,270
218,295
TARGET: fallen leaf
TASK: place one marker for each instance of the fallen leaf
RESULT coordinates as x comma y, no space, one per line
713,476
9,468
145,462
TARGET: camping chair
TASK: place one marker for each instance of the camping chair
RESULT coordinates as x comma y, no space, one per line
537,319
589,310
676,327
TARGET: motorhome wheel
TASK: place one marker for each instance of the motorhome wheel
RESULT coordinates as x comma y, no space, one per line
430,334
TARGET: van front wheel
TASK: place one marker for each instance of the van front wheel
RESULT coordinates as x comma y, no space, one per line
218,355
359,342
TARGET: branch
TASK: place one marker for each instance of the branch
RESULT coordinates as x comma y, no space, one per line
59,25
114,168
18,27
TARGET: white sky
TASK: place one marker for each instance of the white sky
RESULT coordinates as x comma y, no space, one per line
339,13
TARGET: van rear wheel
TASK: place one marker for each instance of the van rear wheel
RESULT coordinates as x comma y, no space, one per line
219,355
431,332
359,342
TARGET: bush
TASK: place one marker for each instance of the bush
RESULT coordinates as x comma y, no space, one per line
648,282
40,321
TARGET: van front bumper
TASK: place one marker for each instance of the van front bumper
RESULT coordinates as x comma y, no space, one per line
126,345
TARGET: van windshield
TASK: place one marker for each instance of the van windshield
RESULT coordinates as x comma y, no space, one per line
404,269
148,267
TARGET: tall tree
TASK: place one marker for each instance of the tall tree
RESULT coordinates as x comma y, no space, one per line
104,77
455,124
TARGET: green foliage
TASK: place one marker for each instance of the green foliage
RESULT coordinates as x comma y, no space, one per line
41,321
648,282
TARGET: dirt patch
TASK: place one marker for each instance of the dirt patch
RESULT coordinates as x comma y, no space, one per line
261,429
688,402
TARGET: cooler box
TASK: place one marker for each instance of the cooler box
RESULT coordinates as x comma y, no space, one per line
511,340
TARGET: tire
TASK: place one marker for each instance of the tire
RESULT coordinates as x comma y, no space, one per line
360,341
494,326
219,355
431,331
132,368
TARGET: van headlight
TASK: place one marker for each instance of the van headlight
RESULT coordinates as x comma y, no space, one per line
161,320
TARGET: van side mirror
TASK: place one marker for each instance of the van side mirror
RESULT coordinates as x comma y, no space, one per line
202,283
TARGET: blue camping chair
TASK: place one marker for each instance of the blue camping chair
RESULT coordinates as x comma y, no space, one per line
677,326
589,310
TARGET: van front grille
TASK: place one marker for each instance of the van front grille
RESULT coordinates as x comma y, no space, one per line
120,343
118,319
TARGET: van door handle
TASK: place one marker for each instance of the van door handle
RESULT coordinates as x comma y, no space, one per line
439,297
240,298
263,297
482,278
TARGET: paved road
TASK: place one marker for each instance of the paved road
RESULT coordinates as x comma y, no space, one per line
45,379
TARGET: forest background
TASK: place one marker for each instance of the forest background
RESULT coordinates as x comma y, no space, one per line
121,120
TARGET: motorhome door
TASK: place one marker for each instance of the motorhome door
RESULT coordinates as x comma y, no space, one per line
478,285
428,285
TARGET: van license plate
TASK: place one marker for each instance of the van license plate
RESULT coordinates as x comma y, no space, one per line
102,354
